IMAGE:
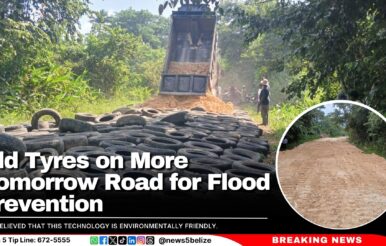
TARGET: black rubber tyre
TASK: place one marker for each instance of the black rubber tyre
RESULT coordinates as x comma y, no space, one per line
196,153
234,158
85,117
222,142
164,143
126,110
252,166
71,141
243,174
156,151
255,140
221,164
199,171
253,147
150,112
75,126
9,144
106,117
204,146
48,152
43,143
178,119
15,128
158,128
50,112
95,141
195,133
154,133
129,120
205,126
139,174
198,109
244,153
110,143
82,150
124,151
179,135
137,137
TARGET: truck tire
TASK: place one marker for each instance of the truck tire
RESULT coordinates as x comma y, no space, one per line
199,171
164,143
45,112
82,150
43,143
129,120
204,146
222,142
109,143
75,126
71,141
48,152
178,119
221,164
85,117
179,135
253,147
9,144
156,151
150,112
252,166
196,153
244,153
106,118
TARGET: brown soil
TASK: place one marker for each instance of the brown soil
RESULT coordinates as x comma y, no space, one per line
188,68
209,102
333,183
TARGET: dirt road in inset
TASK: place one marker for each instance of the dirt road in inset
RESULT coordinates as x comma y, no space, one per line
333,183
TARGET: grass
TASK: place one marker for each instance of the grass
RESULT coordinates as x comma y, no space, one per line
371,148
99,106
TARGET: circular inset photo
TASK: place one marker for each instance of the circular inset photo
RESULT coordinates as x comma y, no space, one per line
331,165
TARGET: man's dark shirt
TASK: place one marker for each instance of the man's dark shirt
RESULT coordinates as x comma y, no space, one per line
264,96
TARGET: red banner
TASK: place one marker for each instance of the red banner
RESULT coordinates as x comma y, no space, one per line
307,239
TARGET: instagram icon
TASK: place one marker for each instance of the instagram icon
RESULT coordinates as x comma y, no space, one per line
141,240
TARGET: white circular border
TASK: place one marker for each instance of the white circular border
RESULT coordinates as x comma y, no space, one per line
285,133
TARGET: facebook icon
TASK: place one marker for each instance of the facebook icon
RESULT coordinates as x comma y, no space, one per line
103,240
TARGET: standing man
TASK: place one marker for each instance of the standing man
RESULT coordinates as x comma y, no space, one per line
264,102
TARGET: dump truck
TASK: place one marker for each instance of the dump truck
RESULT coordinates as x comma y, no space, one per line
191,65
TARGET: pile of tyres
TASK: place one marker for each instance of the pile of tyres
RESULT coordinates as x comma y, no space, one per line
213,143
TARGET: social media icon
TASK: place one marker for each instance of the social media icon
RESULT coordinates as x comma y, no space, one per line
94,240
103,240
113,240
141,240
132,240
150,240
122,240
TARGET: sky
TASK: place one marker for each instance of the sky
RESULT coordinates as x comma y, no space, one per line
112,6
328,108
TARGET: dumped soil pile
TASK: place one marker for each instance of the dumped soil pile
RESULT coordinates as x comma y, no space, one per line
209,102
333,183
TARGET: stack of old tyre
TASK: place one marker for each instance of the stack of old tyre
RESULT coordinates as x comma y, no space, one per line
213,143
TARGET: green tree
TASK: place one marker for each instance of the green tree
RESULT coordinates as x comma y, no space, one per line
153,29
334,44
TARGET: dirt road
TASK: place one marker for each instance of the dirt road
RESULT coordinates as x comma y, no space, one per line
333,183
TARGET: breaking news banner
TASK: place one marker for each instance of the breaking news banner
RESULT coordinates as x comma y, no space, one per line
192,122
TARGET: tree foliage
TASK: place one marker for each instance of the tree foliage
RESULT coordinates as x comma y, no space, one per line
44,62
331,42
153,29
174,3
